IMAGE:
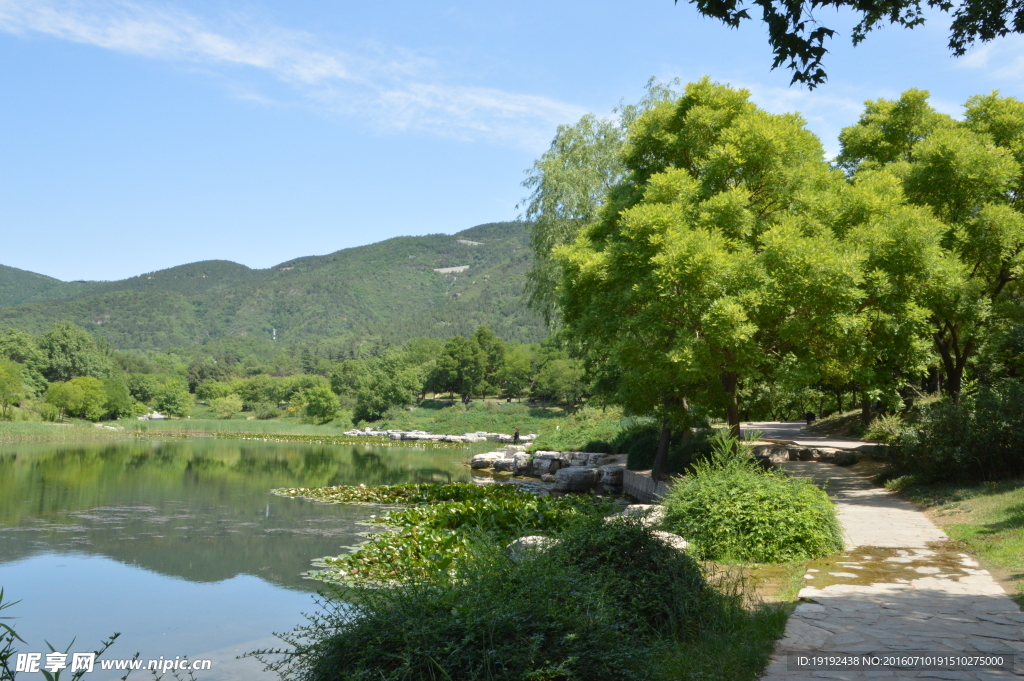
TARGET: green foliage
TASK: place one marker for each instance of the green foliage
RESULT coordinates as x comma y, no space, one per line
885,428
588,430
385,385
142,387
732,510
460,368
83,396
561,380
210,390
978,438
227,406
118,401
11,386
319,403
20,347
583,610
430,536
173,399
69,351
641,442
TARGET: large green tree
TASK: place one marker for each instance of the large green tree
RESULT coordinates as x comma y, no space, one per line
968,176
69,351
461,368
11,386
722,258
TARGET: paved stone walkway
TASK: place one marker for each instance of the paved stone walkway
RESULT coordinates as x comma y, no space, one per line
899,587
794,431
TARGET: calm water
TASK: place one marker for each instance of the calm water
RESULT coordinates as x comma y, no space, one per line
178,544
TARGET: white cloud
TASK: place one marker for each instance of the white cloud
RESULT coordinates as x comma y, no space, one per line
1002,59
393,88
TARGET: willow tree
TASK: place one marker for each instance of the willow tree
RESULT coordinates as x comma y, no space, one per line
968,175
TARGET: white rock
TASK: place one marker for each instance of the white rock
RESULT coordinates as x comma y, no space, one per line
673,540
575,479
522,463
520,547
485,460
512,449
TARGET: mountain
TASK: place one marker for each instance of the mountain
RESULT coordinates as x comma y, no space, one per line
391,291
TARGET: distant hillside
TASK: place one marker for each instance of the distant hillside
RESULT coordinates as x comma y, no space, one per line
387,291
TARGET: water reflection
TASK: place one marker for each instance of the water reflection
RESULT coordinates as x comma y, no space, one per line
196,509
178,543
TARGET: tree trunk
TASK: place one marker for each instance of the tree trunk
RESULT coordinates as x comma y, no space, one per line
865,409
839,400
659,469
730,382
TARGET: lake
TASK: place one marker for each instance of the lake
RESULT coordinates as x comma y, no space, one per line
178,544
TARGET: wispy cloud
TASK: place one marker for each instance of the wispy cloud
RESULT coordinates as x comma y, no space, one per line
1001,59
389,88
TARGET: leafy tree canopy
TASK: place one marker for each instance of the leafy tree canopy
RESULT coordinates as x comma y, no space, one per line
797,37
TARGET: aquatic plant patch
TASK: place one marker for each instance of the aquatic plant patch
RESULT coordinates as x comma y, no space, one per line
440,524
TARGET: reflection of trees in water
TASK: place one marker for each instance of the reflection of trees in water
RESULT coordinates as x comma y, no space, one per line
196,509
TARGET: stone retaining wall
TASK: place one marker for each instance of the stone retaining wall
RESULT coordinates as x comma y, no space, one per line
640,486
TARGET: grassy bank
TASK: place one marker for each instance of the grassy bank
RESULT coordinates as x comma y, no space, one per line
603,600
986,520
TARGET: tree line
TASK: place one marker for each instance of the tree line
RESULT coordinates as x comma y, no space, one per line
67,372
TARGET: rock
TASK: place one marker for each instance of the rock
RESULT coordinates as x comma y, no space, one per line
649,514
546,462
673,540
772,453
820,454
547,477
520,547
512,449
846,458
485,460
522,463
504,465
611,475
575,479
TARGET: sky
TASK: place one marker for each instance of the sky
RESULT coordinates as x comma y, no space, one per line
141,135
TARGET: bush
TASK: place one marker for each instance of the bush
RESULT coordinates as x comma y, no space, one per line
227,406
174,399
732,510
979,439
640,442
586,609
885,428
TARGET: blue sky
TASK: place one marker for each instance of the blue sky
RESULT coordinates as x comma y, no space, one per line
141,135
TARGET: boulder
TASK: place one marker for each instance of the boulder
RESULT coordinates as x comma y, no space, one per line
820,454
772,453
611,475
546,462
512,449
669,539
485,460
520,547
547,477
575,479
649,514
522,463
504,464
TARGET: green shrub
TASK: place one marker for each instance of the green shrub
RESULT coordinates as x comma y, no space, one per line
227,406
588,430
885,428
732,510
602,604
265,411
979,439
641,442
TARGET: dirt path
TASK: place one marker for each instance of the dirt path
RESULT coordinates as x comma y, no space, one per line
900,590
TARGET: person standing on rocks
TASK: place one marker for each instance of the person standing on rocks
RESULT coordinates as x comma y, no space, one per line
515,437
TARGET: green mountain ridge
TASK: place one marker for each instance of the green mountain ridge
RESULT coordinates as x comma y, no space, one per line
386,291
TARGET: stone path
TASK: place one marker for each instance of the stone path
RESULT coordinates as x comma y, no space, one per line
794,431
900,587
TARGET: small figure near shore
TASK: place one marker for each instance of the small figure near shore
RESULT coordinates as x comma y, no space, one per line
515,437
